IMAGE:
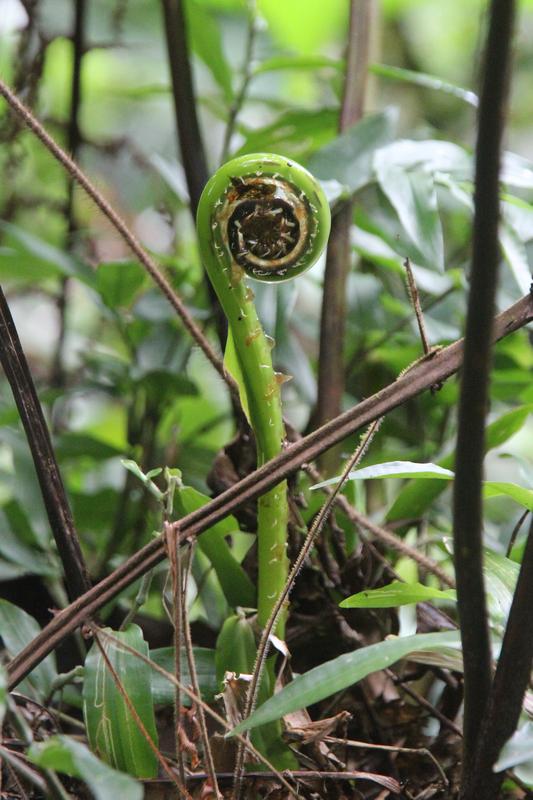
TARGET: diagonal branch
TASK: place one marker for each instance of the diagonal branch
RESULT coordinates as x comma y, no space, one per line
474,398
54,496
425,374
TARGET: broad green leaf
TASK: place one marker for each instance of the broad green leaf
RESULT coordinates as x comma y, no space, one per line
118,282
426,81
393,469
349,158
18,629
343,671
427,155
28,560
501,575
514,250
111,728
237,587
418,495
414,198
65,754
518,750
296,133
207,44
519,493
232,366
163,690
395,594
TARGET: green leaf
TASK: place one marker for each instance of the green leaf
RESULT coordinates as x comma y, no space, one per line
111,728
307,62
206,41
28,560
32,257
519,493
118,282
3,694
393,469
65,754
426,81
413,500
341,672
414,198
349,158
501,575
295,133
517,750
395,594
237,587
18,630
163,690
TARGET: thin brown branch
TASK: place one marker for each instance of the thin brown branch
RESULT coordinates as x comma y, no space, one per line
474,396
421,377
52,489
120,226
333,318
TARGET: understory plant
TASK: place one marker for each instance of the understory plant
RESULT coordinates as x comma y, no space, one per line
168,507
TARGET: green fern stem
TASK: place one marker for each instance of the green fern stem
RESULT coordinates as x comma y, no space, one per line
266,217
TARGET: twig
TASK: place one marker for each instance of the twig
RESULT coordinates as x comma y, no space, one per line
333,316
516,531
425,374
188,644
414,297
247,72
118,223
423,751
474,396
448,723
52,489
510,683
174,560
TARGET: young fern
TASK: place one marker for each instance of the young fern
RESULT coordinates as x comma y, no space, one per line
263,216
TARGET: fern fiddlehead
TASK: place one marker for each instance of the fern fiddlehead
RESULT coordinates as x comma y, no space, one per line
265,217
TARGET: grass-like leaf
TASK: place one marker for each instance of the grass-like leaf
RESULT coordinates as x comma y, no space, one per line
396,594
394,469
18,629
426,81
111,727
336,675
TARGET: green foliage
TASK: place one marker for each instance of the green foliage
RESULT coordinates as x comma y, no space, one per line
18,629
112,729
66,754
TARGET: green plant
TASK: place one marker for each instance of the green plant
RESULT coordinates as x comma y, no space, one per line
265,216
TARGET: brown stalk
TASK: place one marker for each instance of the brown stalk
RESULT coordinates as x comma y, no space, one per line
435,369
52,489
333,317
190,139
474,396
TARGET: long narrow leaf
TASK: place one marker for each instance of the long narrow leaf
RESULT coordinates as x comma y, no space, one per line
336,675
